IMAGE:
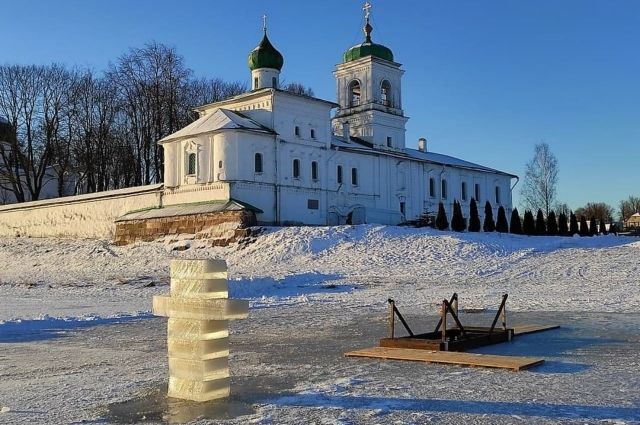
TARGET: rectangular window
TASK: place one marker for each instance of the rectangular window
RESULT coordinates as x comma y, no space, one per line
296,130
463,191
389,142
313,133
313,204
314,170
497,195
296,168
191,167
339,174
257,163
402,208
432,187
255,83
354,176
477,192
443,189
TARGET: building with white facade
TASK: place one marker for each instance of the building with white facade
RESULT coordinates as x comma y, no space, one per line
299,159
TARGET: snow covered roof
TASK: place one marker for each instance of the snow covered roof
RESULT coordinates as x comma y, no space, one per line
188,209
220,119
362,146
259,93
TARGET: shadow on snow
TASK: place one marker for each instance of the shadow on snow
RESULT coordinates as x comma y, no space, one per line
30,330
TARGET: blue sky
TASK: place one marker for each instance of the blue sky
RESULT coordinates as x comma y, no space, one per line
485,79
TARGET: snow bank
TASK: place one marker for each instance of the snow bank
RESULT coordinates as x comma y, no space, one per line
356,266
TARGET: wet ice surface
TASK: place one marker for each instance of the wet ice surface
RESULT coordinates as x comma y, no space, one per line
287,365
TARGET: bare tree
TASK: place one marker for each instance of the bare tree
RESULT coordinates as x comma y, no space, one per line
598,210
25,156
562,208
540,180
298,88
102,128
628,207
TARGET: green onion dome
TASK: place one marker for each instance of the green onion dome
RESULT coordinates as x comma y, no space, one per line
265,56
368,48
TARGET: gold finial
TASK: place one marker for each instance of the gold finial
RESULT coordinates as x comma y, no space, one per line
264,23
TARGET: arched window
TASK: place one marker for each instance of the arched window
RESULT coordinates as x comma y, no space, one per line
443,188
296,168
497,195
314,170
274,82
354,93
191,166
432,187
477,192
354,176
258,163
385,93
463,191
339,174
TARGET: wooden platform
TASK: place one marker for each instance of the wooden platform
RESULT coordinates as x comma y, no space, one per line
531,328
448,357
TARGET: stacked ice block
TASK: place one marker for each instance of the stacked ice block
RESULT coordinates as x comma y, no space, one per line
199,312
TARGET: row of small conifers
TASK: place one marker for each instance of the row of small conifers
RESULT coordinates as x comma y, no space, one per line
538,226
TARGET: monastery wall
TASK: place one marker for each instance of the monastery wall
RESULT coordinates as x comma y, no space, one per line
84,216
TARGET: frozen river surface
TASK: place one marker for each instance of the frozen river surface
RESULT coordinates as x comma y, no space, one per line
288,367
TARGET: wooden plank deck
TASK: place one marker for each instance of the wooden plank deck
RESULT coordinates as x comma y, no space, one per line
531,328
448,357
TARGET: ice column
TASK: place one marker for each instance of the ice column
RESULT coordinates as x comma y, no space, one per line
199,312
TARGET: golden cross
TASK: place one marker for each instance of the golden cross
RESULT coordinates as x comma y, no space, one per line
366,8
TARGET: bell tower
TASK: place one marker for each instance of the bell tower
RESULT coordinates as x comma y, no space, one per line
369,93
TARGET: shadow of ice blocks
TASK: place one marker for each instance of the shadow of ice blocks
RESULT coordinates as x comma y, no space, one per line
198,331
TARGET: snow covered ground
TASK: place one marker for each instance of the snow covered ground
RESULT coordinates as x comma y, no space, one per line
70,306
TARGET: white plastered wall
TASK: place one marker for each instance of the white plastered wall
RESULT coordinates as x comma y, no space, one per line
84,216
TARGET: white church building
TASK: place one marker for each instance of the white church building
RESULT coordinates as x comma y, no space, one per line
302,160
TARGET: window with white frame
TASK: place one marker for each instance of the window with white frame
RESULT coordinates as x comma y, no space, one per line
463,191
385,93
476,192
443,189
432,187
192,164
354,93
314,170
339,174
498,200
354,176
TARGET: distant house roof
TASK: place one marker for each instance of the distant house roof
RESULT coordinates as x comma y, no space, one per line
635,218
189,209
221,119
358,145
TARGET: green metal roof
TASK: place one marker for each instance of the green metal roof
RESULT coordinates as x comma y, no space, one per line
265,56
368,48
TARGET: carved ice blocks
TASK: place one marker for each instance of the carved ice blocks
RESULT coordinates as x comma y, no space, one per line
197,334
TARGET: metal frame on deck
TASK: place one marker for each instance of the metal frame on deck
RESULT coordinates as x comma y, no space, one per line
457,338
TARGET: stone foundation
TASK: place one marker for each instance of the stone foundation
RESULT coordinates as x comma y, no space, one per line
220,228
